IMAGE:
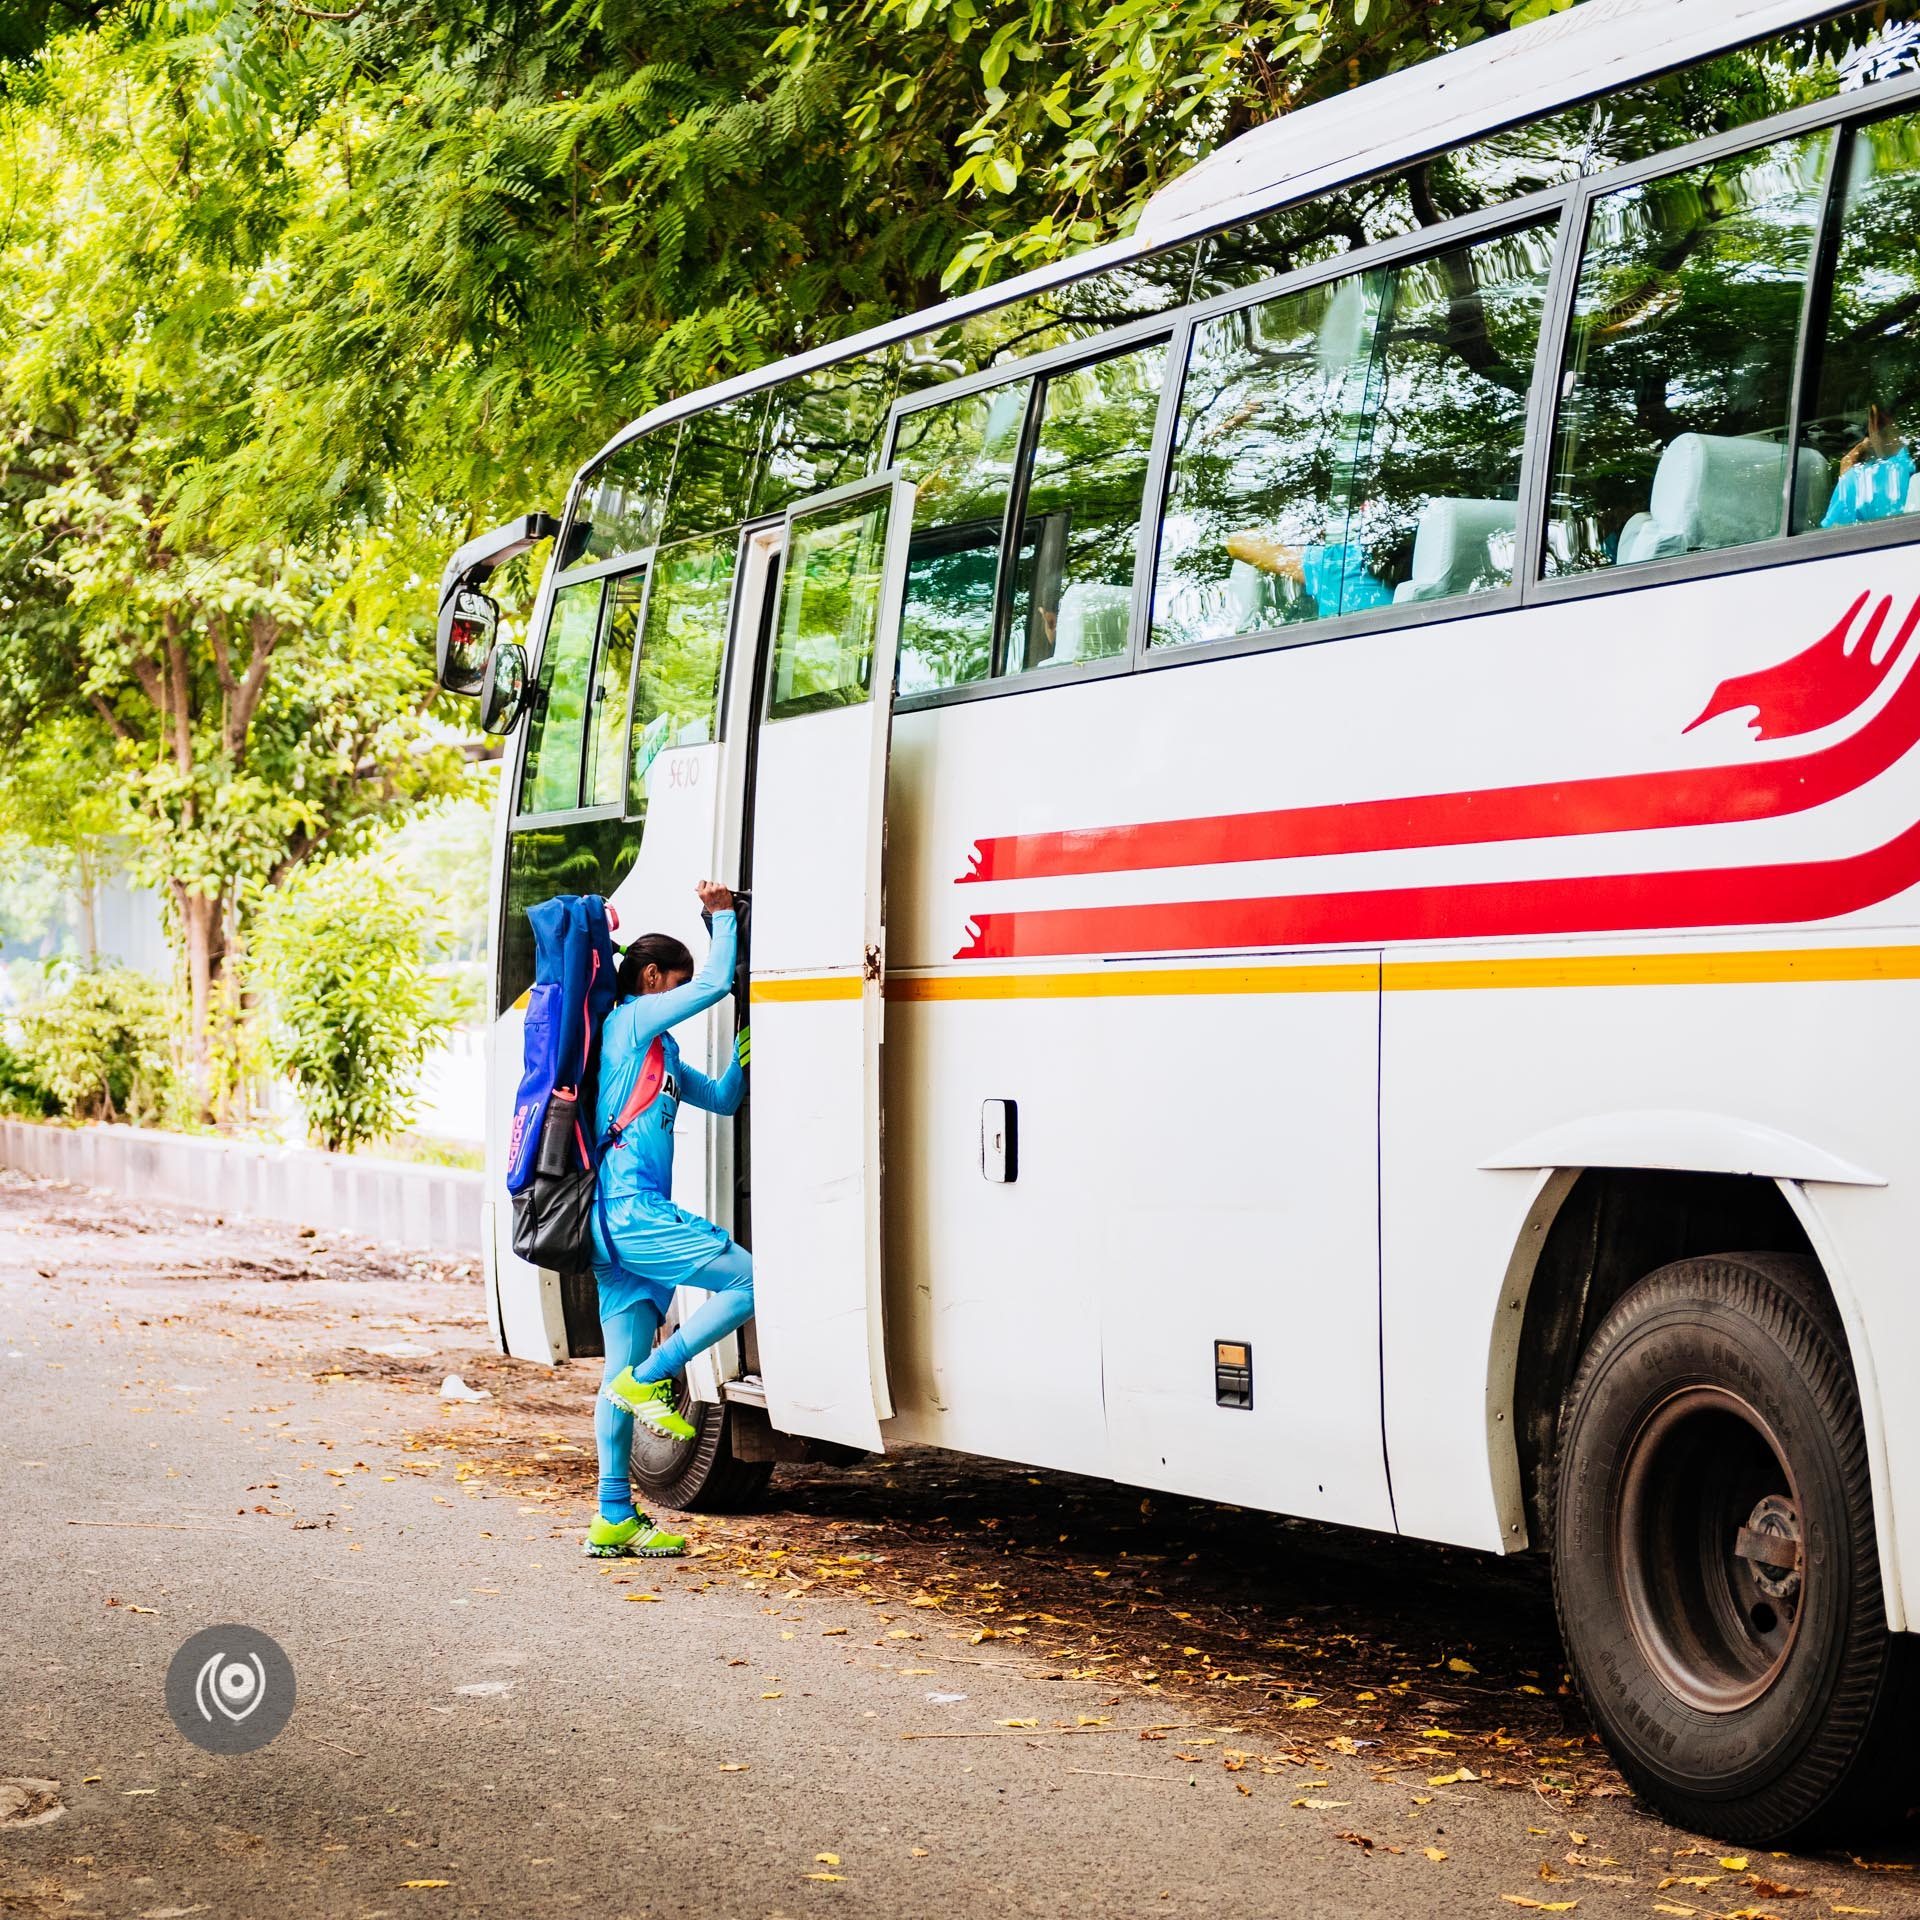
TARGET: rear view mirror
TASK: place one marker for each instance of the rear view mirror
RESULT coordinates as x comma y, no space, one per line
468,622
503,687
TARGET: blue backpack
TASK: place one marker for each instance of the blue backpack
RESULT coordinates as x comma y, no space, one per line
550,1162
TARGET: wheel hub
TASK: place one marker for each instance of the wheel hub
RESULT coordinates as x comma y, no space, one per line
1709,1543
1769,1543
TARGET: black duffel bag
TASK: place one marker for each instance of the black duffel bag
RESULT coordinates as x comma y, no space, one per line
553,1212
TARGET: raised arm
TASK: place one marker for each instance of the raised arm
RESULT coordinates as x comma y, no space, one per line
638,1022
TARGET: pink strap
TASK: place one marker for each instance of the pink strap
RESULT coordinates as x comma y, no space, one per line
646,1089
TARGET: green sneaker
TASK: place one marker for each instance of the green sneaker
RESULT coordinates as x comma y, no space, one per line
650,1402
635,1539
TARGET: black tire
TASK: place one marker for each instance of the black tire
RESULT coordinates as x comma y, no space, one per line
1747,1690
699,1475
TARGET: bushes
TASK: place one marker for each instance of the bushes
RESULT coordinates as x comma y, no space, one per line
97,1047
343,951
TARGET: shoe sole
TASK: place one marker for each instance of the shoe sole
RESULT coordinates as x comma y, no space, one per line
633,1553
651,1420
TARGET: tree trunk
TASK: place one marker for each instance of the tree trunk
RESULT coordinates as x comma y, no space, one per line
87,894
199,918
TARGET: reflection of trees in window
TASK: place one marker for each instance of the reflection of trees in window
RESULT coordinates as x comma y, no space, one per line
960,456
1871,353
829,608
1685,322
1080,310
713,478
623,499
601,785
676,692
1072,585
585,856
825,428
556,729
1327,434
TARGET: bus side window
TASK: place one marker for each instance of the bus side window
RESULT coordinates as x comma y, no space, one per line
1072,595
1865,395
676,688
604,779
556,728
1672,430
960,455
1353,445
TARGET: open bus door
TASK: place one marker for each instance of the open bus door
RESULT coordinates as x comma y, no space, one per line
818,960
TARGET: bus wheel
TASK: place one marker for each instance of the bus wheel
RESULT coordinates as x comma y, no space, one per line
1715,1570
699,1475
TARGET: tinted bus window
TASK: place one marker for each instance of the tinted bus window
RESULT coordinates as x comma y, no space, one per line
829,614
1080,522
960,456
556,729
713,478
583,856
1679,369
623,500
602,782
1864,402
1080,310
825,429
676,693
1353,445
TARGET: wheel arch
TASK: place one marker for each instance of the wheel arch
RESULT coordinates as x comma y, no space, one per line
1588,1234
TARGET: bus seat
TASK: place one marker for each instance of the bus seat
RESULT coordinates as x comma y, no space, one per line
1450,547
1092,623
1720,490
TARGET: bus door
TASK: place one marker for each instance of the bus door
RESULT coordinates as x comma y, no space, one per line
818,959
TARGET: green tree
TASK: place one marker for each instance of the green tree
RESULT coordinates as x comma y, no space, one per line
344,950
100,1045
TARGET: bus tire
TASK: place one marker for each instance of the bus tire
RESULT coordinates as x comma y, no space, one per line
1753,1697
700,1475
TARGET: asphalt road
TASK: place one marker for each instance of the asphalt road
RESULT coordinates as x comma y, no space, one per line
926,1686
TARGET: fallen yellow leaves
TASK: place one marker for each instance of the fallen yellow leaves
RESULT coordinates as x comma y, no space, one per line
1735,1863
426,1883
640,1596
733,1766
826,1859
1460,1776
1539,1906
1435,1854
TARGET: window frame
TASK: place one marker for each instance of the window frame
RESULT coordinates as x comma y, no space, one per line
1844,113
1484,223
602,570
1159,327
628,810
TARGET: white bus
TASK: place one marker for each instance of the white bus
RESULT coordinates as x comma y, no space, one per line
1330,795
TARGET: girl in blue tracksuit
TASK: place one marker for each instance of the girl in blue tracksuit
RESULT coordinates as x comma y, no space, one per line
645,1246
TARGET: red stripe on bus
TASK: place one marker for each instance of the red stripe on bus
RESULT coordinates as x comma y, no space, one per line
1613,803
1499,909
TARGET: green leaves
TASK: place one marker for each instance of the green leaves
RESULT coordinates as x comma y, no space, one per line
344,951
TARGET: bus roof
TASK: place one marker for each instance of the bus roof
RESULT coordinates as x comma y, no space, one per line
1595,49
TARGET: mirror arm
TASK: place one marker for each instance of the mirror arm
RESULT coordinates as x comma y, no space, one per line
486,551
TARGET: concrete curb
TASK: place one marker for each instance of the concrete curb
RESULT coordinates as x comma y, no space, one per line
385,1200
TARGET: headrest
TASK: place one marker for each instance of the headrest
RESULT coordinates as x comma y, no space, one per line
1451,553
1723,490
1092,622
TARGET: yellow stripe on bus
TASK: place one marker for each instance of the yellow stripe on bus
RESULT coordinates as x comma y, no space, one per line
1352,976
1750,968
822,986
